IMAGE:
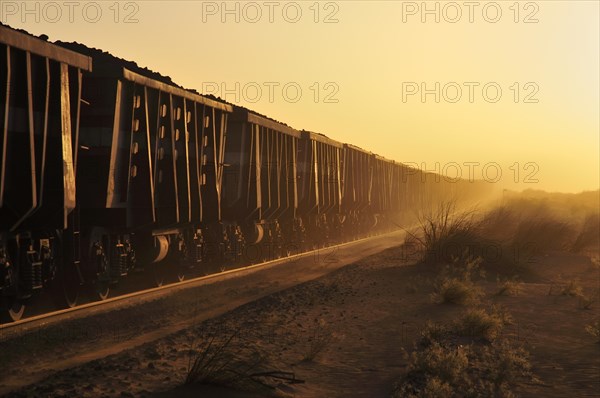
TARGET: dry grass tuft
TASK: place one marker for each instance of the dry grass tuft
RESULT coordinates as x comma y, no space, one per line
572,289
321,337
456,285
585,303
456,291
508,287
480,324
444,234
213,360
224,358
593,330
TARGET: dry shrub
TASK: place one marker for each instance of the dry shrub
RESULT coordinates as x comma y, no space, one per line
441,367
539,235
434,333
436,388
526,227
501,237
437,360
444,371
502,363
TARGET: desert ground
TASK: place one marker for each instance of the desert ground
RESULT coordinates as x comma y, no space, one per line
388,325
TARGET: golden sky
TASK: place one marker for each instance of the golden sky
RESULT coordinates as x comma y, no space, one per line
508,86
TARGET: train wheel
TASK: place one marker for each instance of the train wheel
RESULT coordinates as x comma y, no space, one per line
66,290
71,293
159,274
180,274
102,289
15,308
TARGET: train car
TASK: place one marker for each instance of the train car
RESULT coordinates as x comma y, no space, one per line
400,195
40,112
319,188
357,188
384,208
150,173
260,186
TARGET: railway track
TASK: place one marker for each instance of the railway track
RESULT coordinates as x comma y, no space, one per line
70,338
327,255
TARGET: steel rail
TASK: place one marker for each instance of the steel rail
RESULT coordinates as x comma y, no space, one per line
185,284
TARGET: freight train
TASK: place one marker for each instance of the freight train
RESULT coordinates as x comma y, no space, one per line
107,168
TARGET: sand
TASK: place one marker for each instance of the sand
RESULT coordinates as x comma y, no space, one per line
367,316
